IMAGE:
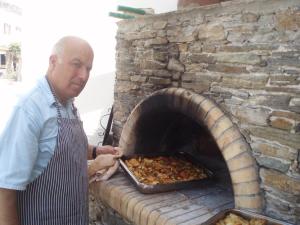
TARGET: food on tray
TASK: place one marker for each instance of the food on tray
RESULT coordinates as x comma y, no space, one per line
233,219
164,169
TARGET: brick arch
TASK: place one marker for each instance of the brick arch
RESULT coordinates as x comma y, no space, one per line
235,150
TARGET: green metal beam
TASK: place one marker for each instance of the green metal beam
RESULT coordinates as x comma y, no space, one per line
121,15
131,10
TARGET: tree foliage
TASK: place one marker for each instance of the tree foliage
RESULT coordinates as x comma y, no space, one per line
15,49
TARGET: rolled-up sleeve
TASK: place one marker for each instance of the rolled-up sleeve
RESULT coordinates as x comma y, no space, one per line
18,150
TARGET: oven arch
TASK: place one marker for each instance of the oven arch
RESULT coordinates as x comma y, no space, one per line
233,146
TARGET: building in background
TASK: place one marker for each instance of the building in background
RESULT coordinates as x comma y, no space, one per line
10,40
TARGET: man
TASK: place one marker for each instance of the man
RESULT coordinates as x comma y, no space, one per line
44,150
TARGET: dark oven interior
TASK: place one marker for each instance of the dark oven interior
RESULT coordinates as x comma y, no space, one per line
168,131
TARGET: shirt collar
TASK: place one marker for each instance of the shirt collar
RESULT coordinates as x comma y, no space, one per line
44,85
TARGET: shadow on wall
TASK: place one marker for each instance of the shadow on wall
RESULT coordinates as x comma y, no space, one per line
97,94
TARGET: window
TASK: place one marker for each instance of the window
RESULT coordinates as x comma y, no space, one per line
7,29
18,29
2,60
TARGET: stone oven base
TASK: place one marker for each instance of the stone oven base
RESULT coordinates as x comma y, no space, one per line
124,205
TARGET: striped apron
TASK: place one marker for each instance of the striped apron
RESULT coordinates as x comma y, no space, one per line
59,196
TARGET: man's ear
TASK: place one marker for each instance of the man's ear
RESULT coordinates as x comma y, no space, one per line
52,61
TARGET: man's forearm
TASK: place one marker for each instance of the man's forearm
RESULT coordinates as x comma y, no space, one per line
8,207
90,151
105,149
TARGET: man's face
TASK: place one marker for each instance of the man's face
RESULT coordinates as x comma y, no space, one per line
71,70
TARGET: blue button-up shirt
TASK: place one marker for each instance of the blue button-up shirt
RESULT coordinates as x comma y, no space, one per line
28,141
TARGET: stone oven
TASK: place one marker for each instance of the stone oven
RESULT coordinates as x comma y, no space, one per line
221,82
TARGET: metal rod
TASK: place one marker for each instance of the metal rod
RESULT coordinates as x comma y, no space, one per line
131,10
121,15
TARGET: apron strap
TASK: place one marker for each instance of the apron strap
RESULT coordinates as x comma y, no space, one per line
74,111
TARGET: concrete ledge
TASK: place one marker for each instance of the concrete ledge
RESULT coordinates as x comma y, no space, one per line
118,195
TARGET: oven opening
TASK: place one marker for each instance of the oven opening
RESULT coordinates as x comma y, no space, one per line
167,131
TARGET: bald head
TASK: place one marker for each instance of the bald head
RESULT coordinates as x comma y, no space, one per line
68,41
69,66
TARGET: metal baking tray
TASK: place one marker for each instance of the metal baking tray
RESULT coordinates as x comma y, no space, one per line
156,188
245,214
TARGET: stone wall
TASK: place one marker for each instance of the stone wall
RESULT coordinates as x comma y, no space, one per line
244,55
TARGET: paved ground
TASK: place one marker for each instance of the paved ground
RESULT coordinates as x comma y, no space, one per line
93,103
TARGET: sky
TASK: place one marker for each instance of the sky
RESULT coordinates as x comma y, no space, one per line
44,22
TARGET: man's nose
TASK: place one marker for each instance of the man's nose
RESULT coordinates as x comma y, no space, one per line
84,74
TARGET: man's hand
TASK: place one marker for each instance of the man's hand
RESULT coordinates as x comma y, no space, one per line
106,149
101,162
105,160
